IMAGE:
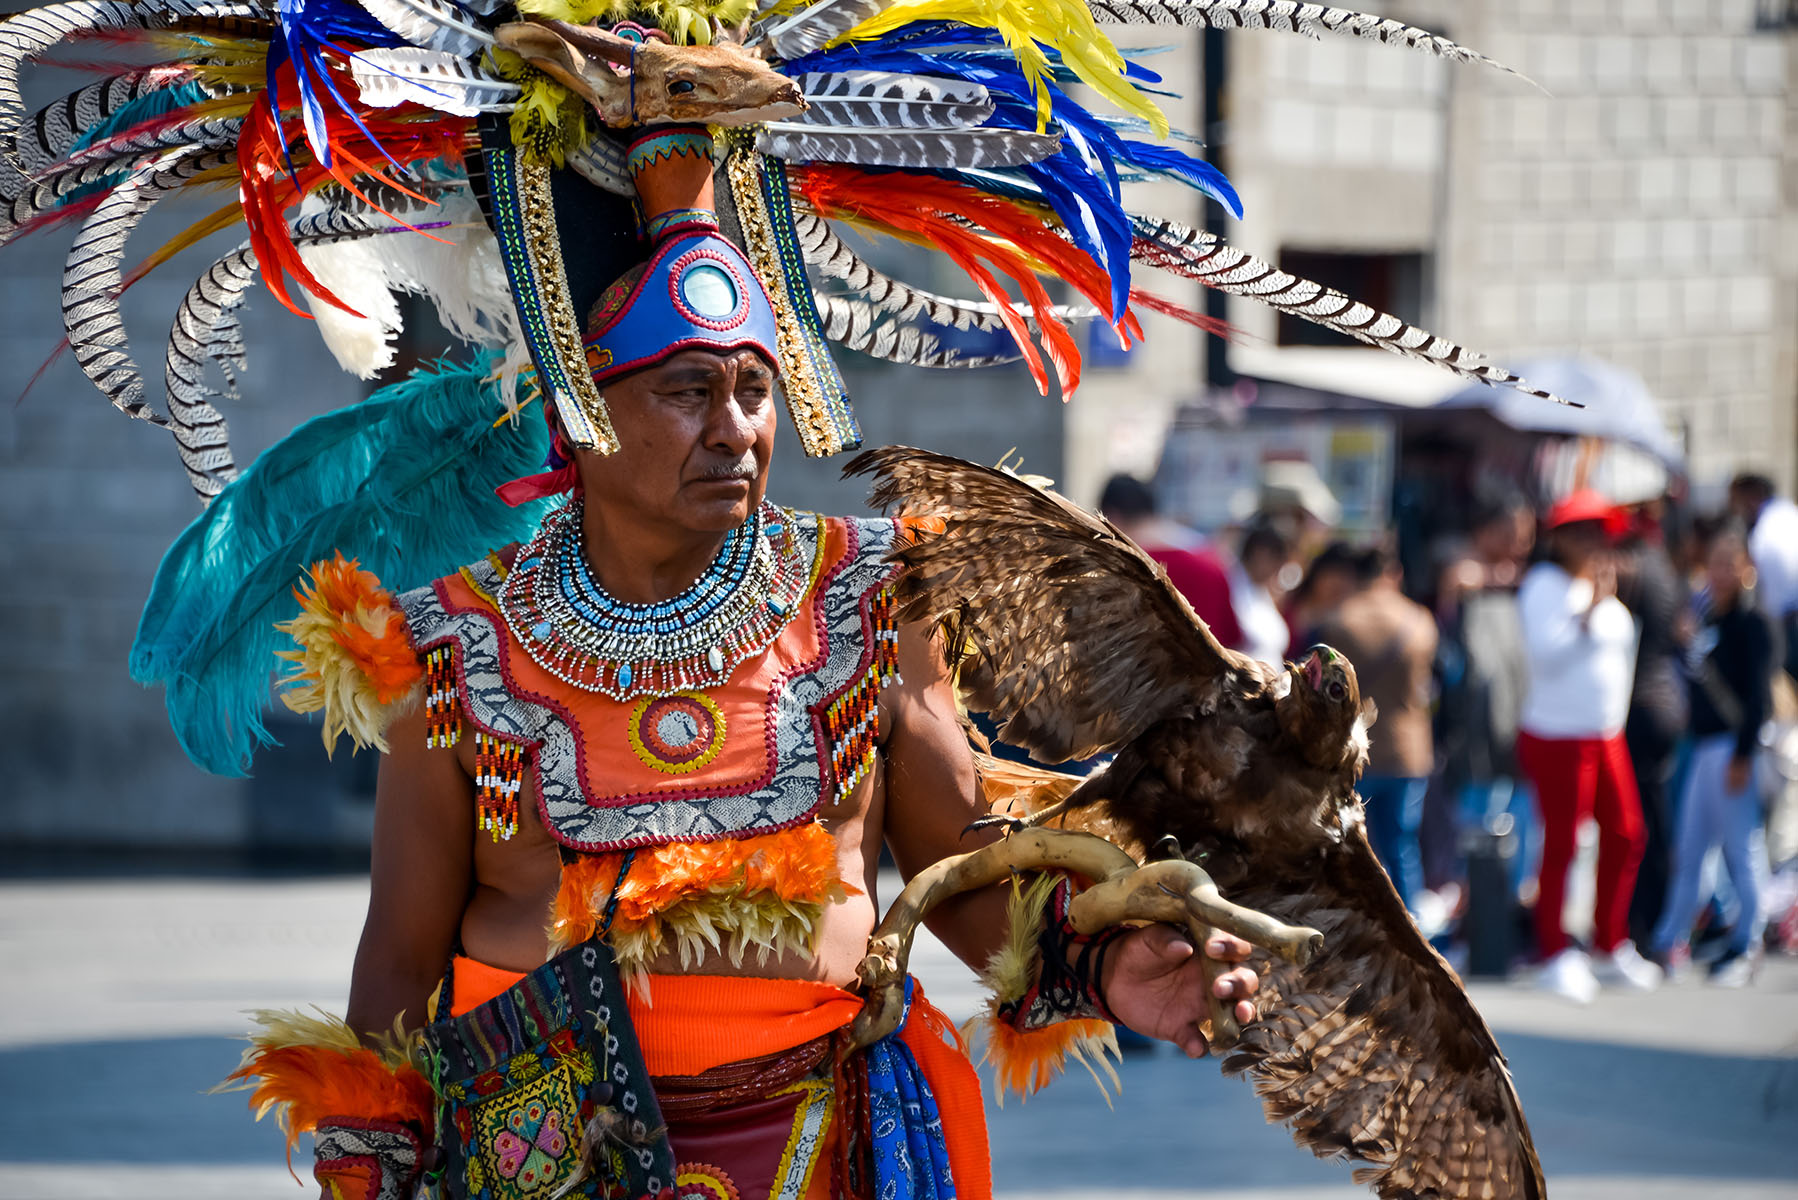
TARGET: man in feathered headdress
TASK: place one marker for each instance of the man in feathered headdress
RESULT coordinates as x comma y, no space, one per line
682,720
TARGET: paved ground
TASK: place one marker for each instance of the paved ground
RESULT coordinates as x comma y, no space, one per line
121,999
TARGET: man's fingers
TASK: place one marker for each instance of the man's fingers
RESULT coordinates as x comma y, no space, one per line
1245,1012
1227,948
1241,982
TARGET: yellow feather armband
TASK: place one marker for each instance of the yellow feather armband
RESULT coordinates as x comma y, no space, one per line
1029,1037
355,661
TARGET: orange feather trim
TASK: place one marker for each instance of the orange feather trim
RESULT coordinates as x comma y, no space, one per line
1022,239
1026,1061
681,884
355,659
308,1082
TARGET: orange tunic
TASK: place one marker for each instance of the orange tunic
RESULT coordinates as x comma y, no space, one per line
759,751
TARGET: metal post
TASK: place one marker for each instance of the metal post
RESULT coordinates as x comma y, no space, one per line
1217,360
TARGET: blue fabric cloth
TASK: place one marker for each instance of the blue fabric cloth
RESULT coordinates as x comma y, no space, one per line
911,1160
1394,806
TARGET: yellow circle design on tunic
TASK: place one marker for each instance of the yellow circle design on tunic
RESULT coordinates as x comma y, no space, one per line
676,734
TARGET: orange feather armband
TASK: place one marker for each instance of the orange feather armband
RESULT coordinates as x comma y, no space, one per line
308,1070
1045,1008
355,660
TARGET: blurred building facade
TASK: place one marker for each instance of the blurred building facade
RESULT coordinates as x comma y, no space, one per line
1640,207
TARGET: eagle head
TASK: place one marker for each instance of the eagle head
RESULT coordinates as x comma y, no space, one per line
1321,710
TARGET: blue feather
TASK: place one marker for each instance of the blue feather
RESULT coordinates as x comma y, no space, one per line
1083,183
147,107
402,481
308,27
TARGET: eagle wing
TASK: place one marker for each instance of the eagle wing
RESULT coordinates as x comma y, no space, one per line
1373,1050
1070,636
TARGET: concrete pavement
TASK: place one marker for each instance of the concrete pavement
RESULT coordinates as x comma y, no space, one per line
122,999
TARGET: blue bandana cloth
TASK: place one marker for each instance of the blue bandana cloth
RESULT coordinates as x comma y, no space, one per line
911,1160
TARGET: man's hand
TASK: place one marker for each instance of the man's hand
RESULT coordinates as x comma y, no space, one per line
1152,984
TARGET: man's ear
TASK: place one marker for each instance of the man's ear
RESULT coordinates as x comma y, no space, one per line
1370,712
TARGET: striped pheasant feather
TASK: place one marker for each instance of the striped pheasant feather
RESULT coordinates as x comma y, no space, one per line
601,162
1291,16
155,137
207,331
29,34
41,139
890,100
858,325
1195,254
91,277
823,249
934,149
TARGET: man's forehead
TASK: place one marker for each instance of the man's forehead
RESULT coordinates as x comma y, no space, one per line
699,361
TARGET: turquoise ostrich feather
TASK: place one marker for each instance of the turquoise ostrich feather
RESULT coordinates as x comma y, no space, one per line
402,482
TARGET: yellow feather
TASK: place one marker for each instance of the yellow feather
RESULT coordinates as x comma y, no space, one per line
1027,26
205,227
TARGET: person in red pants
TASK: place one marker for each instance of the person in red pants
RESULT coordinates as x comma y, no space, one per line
1581,647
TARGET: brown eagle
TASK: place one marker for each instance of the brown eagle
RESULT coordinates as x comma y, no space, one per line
1074,641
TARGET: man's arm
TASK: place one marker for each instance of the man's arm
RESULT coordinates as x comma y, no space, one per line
423,872
933,794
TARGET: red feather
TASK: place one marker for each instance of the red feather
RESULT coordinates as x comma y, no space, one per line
1215,326
270,189
950,216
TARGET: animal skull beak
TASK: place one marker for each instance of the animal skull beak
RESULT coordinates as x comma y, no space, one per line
572,55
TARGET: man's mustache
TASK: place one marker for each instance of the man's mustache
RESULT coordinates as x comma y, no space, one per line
745,470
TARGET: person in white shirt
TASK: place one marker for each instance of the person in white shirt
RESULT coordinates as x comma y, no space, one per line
1265,634
1581,646
1772,523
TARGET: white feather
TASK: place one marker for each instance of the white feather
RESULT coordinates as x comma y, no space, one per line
434,79
458,268
433,24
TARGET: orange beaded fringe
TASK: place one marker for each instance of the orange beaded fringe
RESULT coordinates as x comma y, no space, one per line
443,718
498,778
853,719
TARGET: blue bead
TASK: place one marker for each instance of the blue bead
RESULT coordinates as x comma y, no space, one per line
624,676
780,610
541,631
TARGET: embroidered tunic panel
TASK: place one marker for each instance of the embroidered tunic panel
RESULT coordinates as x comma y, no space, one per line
790,728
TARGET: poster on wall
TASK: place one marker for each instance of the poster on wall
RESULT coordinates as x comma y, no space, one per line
1210,476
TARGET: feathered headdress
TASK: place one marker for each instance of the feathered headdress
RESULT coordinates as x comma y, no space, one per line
479,153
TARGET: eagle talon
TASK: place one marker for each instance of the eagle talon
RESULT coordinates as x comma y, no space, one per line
1010,825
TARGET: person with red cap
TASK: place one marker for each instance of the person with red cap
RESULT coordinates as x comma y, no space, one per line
1581,646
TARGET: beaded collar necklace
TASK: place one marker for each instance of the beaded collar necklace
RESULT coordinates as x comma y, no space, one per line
573,629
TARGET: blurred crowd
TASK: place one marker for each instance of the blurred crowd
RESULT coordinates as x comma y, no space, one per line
1587,684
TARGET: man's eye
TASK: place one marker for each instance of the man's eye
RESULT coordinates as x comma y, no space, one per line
680,87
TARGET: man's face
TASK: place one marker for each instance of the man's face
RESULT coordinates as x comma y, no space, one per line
695,437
